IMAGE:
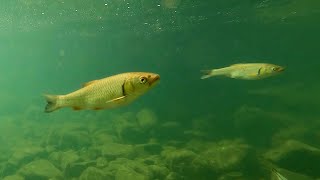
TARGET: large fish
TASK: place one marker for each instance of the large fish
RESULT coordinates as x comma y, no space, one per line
249,71
109,92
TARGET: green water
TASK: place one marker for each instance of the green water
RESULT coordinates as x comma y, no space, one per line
184,128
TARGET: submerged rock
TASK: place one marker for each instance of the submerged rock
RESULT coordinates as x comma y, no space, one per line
128,169
69,137
297,157
26,154
113,150
22,155
210,159
40,169
146,119
253,120
135,128
174,176
227,155
127,173
150,148
183,162
14,177
75,169
101,162
102,137
92,173
64,159
159,172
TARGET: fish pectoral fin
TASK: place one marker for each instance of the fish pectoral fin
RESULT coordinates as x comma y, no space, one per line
116,99
89,83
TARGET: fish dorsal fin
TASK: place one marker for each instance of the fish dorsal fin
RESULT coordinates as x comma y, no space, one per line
89,83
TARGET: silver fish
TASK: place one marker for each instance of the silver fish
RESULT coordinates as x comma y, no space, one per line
105,93
249,71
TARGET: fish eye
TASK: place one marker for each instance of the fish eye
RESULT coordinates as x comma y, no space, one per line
275,68
143,80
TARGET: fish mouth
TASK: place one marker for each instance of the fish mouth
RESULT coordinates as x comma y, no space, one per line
154,80
281,69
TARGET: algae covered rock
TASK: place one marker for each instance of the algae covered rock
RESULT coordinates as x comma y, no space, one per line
14,177
75,169
101,137
182,161
26,154
114,150
174,176
122,168
92,173
146,119
127,173
227,155
253,120
150,148
210,159
69,137
22,155
296,156
135,128
101,162
179,159
40,169
64,159
160,172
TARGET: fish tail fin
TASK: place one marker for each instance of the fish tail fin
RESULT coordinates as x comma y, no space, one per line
215,72
206,74
51,103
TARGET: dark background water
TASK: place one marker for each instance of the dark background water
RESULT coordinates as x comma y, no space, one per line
55,46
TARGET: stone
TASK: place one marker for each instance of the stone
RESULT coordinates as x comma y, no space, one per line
40,169
127,173
129,167
296,156
14,177
69,137
26,154
101,162
150,149
113,150
92,173
75,169
227,155
102,137
64,159
146,119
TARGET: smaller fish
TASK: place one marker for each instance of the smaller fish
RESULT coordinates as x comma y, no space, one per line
249,71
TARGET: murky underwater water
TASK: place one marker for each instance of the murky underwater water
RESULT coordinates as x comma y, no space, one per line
185,127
